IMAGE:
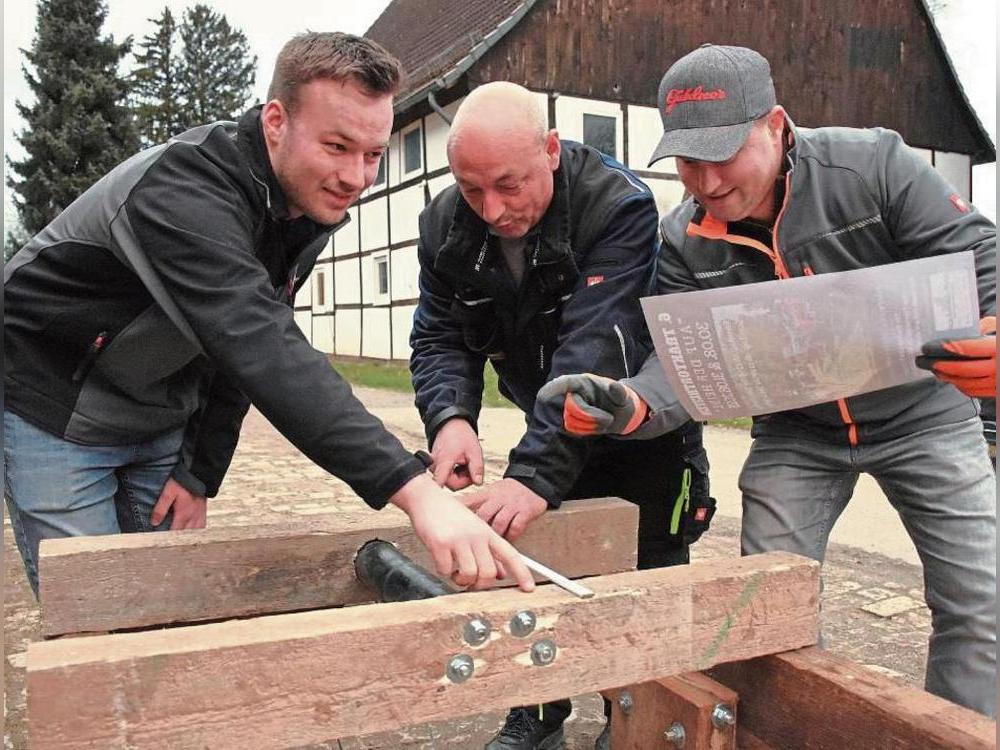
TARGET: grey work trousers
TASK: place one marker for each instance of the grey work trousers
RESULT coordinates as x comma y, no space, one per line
941,483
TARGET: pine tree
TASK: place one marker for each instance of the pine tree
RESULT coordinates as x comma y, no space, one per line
217,71
156,93
79,127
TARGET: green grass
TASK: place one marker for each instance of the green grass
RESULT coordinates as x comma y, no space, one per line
394,377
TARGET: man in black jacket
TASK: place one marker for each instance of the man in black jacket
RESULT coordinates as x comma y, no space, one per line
146,318
535,261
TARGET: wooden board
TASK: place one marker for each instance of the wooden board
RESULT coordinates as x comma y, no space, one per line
134,580
288,680
811,698
655,706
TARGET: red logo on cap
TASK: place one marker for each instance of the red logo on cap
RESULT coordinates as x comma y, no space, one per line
698,94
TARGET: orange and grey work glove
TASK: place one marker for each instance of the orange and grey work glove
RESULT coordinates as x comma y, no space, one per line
595,405
968,364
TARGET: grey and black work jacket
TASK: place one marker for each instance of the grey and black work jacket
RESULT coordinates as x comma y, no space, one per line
589,260
162,298
850,199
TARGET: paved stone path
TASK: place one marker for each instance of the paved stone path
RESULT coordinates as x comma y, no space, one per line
270,481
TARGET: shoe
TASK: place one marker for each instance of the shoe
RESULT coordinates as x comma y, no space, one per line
603,741
524,731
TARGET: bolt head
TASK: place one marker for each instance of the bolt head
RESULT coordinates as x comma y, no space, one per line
460,668
723,716
676,734
523,623
543,652
625,702
476,631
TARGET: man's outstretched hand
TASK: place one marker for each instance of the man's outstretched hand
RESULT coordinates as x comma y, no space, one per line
463,547
594,404
968,364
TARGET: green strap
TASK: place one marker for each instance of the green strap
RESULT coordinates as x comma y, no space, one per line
683,501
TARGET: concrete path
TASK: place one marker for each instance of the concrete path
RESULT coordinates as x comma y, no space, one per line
869,523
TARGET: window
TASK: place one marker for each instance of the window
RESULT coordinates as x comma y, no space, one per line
412,151
381,277
599,132
380,176
320,289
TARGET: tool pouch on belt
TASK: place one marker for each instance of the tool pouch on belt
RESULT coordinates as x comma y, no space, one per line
693,507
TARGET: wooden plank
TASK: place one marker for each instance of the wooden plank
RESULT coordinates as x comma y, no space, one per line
289,680
135,580
811,698
655,706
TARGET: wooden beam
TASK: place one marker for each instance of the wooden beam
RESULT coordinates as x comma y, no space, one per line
812,698
135,580
290,680
652,708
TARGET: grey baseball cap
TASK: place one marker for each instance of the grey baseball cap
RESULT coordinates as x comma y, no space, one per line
709,100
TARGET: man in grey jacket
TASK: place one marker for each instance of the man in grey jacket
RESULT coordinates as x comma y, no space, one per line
143,321
770,201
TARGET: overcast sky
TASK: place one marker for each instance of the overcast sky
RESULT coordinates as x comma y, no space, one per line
968,26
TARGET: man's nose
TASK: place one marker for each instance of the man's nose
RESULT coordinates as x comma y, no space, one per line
352,173
709,178
493,207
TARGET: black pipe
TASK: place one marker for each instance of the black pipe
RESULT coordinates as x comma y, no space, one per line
394,576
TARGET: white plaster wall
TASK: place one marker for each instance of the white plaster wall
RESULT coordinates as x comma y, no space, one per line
345,241
956,169
405,270
404,209
327,251
304,320
644,131
323,333
347,328
375,342
374,224
440,183
569,118
436,135
402,323
346,285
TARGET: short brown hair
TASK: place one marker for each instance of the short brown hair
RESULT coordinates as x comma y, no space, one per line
336,56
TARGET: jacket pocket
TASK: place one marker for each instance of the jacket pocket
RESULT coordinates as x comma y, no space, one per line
149,349
693,507
482,329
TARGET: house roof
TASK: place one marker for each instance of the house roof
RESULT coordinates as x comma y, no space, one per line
437,41
433,38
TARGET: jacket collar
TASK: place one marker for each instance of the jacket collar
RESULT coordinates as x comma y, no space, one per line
468,234
250,138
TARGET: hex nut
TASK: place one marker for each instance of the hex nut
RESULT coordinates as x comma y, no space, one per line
543,652
460,668
522,624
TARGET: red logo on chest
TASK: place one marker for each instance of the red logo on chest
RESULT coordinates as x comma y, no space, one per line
592,280
960,204
697,94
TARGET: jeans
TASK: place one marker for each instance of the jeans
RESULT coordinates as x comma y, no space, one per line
941,483
55,488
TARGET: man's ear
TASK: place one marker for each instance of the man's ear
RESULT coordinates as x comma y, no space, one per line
553,149
274,120
776,120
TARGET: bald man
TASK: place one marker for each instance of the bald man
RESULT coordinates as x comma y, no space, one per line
536,261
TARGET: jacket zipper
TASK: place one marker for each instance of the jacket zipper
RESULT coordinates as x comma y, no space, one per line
89,356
